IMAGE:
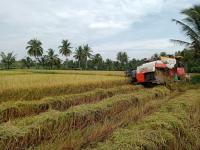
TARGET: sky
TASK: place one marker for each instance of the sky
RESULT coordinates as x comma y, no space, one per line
138,27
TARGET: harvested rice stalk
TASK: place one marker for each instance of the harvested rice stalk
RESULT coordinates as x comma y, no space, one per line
10,110
30,131
175,126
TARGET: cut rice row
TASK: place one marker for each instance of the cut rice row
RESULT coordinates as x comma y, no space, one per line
33,130
175,126
89,136
10,110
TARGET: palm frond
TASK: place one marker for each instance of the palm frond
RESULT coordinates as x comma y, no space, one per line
193,19
180,42
188,30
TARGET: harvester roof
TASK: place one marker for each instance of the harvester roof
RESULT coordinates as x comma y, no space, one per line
165,62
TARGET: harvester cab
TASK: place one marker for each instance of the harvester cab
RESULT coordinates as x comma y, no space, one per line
159,71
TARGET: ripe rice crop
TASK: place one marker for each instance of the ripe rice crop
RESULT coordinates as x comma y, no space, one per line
37,86
29,131
77,72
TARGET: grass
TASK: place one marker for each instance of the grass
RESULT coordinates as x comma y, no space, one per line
175,126
10,110
29,131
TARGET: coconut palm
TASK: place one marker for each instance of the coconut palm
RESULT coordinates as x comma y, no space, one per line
87,54
7,59
122,57
52,58
191,27
28,62
109,64
34,48
79,55
97,60
43,60
65,48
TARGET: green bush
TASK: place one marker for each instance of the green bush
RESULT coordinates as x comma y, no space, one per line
196,79
195,69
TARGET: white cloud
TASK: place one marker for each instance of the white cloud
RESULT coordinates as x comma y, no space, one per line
143,48
103,25
144,44
102,22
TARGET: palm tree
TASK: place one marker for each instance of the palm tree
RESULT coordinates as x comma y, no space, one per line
43,61
52,58
87,54
191,27
97,60
109,64
28,62
7,59
35,48
65,48
79,55
122,57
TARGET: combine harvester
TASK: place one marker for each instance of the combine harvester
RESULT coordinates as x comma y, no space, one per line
161,71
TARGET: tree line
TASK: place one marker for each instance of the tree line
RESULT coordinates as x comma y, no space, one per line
85,59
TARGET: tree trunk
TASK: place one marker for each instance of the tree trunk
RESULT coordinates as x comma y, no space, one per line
66,63
36,58
86,65
79,64
8,66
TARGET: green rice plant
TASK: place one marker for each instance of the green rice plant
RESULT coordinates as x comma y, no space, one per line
175,126
10,110
29,131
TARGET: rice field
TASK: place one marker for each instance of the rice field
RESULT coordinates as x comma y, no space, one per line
94,110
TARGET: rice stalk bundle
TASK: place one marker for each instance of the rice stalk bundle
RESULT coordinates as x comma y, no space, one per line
175,126
10,110
30,131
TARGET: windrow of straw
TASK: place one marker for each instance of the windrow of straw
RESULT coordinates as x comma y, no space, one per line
30,131
28,92
89,136
10,110
175,126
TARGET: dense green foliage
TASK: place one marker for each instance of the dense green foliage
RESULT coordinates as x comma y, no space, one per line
7,59
191,27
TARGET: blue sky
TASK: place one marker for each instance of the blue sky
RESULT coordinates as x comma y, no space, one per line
139,27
